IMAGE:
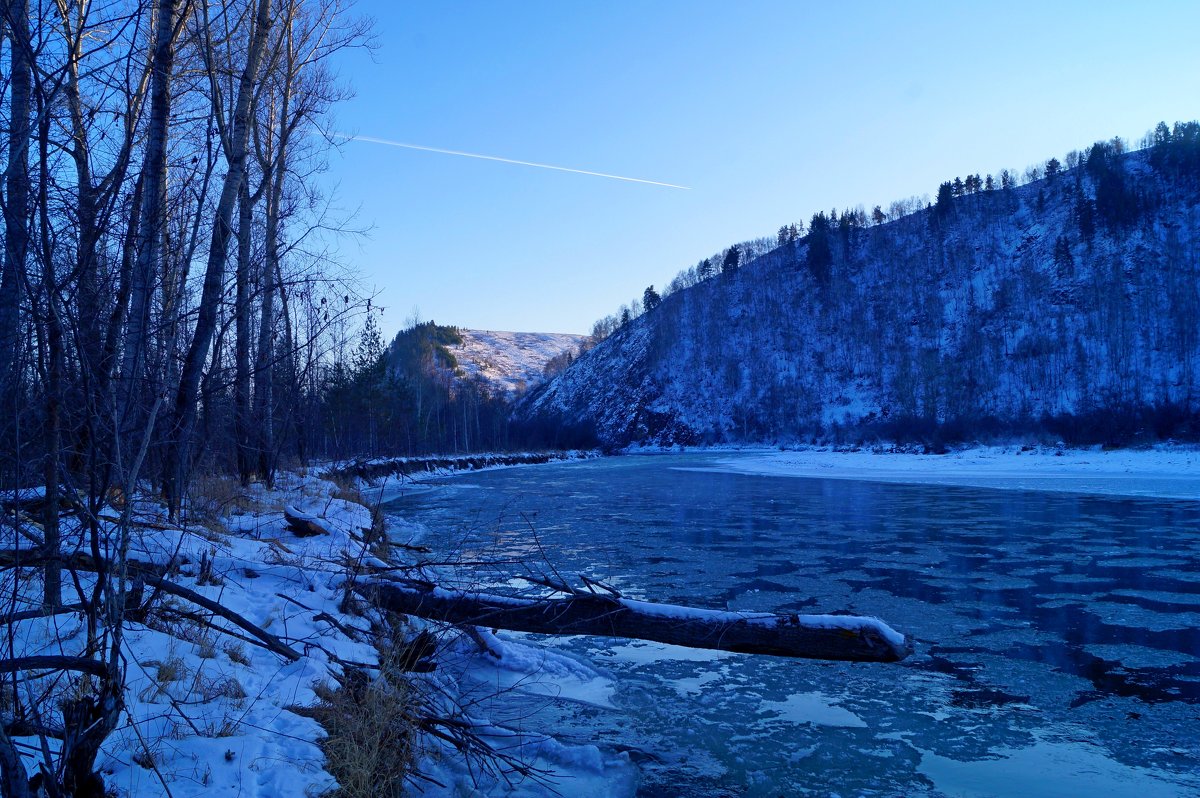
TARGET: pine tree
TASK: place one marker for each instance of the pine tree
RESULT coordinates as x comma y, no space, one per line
733,259
651,299
820,256
945,199
1085,217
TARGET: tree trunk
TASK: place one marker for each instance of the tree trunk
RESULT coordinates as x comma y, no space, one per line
235,144
14,779
151,218
264,370
16,211
828,637
52,334
275,170
241,316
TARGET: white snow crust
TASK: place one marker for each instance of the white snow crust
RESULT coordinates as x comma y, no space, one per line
1171,472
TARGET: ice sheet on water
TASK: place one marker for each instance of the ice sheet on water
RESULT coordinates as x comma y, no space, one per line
1181,575
1002,582
815,708
696,685
1133,616
1161,597
1043,770
641,653
1143,562
1140,656
1079,579
535,670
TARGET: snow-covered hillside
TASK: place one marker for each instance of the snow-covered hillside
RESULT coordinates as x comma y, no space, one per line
1068,306
510,362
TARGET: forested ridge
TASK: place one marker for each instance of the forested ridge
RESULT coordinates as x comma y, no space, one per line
411,397
1065,307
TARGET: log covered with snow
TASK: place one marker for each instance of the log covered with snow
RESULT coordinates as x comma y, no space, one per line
827,637
304,524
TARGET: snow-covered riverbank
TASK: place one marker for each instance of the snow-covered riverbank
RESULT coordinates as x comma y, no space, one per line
1171,472
213,704
383,479
224,704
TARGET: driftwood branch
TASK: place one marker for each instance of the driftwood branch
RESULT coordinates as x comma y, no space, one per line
827,637
269,640
55,663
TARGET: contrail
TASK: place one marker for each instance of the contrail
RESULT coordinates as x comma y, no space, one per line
373,140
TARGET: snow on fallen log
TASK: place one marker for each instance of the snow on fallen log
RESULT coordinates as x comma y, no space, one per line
304,524
828,637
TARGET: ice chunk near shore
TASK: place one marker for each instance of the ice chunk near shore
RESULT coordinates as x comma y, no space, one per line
576,770
509,671
509,664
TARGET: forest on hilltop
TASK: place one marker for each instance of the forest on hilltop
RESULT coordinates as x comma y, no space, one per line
1066,308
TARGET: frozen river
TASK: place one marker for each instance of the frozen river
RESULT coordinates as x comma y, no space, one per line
1058,635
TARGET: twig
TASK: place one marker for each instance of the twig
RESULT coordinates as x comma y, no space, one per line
272,642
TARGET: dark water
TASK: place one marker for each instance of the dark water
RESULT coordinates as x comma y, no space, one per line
1058,636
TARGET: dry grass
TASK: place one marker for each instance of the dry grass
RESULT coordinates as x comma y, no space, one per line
212,496
371,727
236,651
206,648
346,488
212,689
170,671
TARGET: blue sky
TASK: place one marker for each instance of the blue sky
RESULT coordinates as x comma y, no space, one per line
768,111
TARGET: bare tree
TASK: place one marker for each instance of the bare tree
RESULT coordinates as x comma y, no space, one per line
234,132
15,23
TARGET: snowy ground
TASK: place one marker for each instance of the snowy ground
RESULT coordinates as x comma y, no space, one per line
207,713
1163,472
511,361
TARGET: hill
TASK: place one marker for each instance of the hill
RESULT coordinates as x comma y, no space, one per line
435,388
510,362
1066,307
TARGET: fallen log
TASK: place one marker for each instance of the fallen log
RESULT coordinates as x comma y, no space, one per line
56,663
304,524
828,637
